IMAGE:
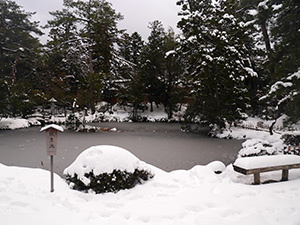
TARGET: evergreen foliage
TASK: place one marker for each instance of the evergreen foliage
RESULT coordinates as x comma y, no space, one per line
109,182
19,55
161,68
152,63
83,35
283,96
130,85
218,61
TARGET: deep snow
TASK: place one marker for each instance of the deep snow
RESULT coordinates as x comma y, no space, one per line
196,196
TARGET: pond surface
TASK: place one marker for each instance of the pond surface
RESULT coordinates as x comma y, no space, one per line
163,145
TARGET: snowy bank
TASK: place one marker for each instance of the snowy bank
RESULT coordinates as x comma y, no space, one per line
13,123
17,123
196,196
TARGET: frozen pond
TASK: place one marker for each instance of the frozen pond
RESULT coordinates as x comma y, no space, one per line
160,144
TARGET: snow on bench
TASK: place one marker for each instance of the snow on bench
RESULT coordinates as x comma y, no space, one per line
259,164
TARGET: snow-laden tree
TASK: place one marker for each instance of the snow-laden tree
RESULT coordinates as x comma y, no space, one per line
283,96
19,55
173,87
216,49
257,16
87,32
66,60
285,33
152,63
161,69
130,90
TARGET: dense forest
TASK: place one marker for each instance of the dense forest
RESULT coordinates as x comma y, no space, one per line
232,57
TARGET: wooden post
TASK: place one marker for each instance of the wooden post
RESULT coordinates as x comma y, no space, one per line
52,177
285,175
256,178
51,139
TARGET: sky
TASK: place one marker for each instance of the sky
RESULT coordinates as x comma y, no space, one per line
137,13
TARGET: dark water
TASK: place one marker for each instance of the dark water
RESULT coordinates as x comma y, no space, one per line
160,144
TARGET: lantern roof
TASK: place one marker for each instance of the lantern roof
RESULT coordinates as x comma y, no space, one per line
53,126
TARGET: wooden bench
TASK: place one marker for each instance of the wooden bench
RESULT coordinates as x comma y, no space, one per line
260,164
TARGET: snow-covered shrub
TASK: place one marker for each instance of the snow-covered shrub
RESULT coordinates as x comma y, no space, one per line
259,147
109,182
106,168
291,139
72,122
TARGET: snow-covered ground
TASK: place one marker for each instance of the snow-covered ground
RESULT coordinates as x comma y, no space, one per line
196,196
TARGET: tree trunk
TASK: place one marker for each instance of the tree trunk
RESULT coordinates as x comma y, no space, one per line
14,71
271,127
266,37
151,106
268,45
135,112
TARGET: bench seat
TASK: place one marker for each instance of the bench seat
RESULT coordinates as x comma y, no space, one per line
260,164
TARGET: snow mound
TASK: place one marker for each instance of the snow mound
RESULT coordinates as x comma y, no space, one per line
104,159
216,166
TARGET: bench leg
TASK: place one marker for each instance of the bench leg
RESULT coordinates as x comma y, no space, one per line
256,178
285,175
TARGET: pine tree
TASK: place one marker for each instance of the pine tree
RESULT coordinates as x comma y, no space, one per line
285,33
255,18
218,61
130,88
66,60
152,68
90,33
283,96
19,55
173,89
